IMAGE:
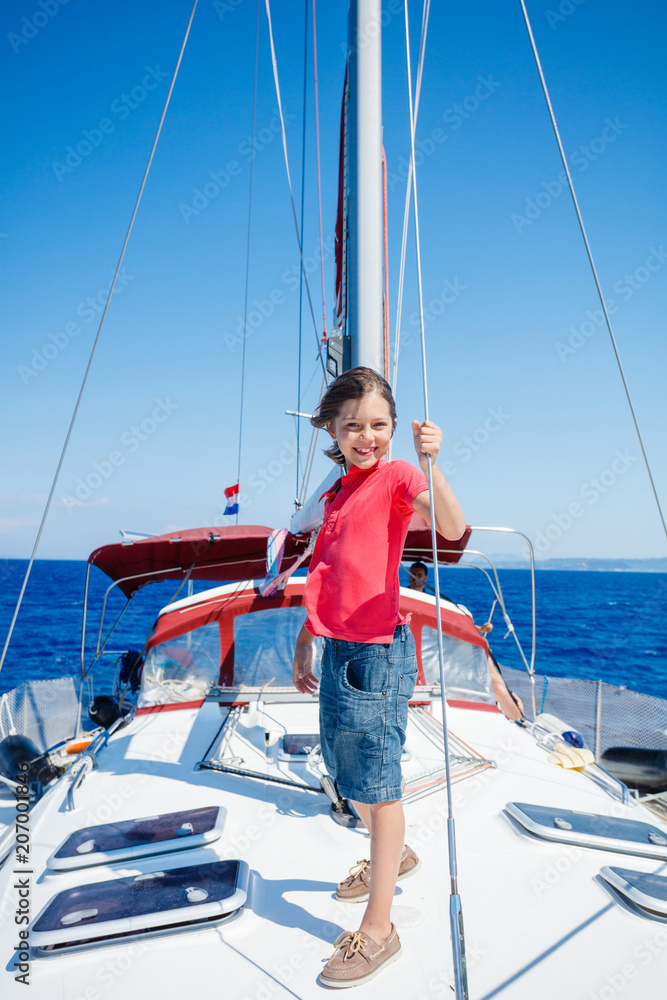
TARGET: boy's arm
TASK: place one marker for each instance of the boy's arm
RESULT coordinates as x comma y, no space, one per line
449,519
302,674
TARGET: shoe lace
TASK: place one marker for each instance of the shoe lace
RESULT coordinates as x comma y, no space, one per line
353,941
361,866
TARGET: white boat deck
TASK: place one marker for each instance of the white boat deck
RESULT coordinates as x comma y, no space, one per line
539,921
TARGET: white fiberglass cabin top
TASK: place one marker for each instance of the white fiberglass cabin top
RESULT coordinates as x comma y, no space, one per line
195,845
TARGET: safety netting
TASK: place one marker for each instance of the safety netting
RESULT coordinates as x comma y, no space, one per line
45,711
606,715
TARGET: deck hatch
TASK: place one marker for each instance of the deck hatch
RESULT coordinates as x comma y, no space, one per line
138,903
608,833
644,889
112,842
298,745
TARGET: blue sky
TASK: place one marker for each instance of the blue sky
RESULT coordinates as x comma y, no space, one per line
522,379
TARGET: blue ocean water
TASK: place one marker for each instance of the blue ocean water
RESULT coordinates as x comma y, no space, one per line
589,624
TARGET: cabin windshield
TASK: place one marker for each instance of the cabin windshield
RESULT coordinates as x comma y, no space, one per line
466,669
264,643
181,669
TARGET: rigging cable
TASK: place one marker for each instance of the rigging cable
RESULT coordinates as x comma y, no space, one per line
310,382
406,211
341,231
308,464
247,259
455,910
316,430
310,458
589,253
303,203
289,182
319,174
311,453
408,194
99,333
385,240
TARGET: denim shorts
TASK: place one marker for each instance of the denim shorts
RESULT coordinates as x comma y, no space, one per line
364,693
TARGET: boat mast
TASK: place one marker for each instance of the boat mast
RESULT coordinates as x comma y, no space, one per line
362,340
365,247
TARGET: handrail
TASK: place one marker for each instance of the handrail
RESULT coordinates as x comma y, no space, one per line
497,590
160,572
530,667
10,784
513,531
623,791
86,760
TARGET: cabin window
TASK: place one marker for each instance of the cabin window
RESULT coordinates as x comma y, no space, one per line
264,644
182,669
466,670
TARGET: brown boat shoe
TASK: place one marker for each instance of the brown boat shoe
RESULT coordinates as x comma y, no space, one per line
356,887
358,959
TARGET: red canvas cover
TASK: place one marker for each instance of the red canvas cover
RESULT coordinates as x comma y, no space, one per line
234,553
418,543
237,552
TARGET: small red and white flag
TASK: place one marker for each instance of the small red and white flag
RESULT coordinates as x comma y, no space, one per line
232,498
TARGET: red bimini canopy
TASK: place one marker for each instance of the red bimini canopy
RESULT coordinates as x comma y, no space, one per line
234,553
418,543
220,554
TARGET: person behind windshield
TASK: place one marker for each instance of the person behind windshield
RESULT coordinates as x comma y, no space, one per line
418,574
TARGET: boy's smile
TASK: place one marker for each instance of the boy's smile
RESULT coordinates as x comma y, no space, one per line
363,429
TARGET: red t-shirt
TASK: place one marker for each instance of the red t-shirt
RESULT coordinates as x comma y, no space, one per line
352,586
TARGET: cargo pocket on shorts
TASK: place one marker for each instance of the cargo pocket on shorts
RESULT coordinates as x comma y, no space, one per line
360,760
328,726
406,689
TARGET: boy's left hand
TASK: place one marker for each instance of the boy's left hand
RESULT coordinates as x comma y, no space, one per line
428,438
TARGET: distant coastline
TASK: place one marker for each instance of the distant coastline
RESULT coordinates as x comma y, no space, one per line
504,561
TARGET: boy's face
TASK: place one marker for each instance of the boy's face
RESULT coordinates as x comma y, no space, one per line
418,577
363,429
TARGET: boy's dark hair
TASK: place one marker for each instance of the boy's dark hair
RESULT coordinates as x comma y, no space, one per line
353,384
418,565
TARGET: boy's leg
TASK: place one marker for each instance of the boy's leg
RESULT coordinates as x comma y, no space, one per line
360,955
364,811
387,831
